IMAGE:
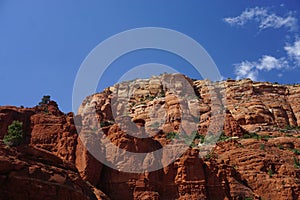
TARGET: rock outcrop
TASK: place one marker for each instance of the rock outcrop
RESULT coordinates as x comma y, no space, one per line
256,157
30,173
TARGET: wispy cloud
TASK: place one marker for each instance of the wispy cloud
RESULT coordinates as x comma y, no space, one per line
268,63
293,51
264,18
247,69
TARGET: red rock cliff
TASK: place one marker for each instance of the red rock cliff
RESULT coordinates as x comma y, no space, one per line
257,156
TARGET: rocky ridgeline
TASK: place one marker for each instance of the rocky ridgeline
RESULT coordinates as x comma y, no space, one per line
256,157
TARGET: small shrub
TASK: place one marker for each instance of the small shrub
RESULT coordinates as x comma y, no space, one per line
256,136
46,110
199,137
193,145
252,135
133,103
283,130
289,127
210,156
171,135
296,151
149,97
190,139
266,137
162,94
262,147
296,163
280,146
223,137
14,134
270,173
45,100
239,145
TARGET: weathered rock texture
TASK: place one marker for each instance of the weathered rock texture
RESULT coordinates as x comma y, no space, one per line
29,173
257,156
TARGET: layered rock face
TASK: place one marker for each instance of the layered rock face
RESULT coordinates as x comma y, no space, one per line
43,167
30,173
256,157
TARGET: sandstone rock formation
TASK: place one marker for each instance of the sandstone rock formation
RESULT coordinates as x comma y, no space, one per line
30,173
257,155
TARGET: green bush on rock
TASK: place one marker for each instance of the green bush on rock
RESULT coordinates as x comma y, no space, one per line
14,134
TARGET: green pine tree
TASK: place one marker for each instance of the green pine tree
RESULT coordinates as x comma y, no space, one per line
14,134
45,100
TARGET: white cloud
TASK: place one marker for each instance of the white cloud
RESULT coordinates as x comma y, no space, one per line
268,63
264,18
293,51
247,69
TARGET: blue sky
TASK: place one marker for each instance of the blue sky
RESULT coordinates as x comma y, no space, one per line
43,43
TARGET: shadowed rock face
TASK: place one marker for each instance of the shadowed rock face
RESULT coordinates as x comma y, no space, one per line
31,173
258,156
